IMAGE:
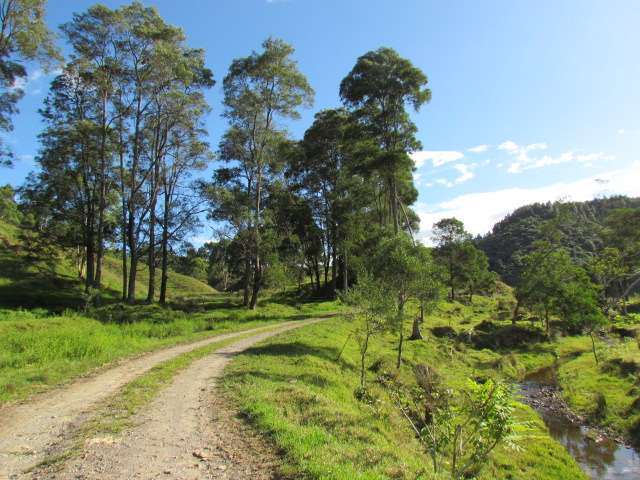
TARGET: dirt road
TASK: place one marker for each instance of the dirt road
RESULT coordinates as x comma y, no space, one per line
175,434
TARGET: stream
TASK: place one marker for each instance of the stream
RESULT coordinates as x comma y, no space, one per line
602,458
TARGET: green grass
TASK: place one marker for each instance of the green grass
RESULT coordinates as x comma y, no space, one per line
38,351
615,378
293,389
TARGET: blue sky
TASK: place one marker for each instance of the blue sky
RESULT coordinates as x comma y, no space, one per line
532,101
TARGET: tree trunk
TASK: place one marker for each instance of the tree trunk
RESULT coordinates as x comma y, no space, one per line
131,226
90,246
165,251
516,312
81,260
345,271
546,320
123,225
103,193
88,281
257,283
593,346
326,272
125,273
416,334
133,270
165,274
97,281
363,357
151,257
334,270
133,260
316,269
401,333
247,275
394,205
151,260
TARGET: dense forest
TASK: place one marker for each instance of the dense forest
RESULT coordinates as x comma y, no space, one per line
414,355
583,231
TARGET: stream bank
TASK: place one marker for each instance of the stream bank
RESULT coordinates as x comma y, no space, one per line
600,456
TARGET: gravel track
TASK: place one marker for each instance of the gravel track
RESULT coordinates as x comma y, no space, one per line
31,429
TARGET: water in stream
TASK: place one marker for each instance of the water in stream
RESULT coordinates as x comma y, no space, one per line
603,459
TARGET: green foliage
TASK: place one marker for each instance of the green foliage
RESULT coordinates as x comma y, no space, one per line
378,89
551,284
466,265
370,309
581,228
24,36
405,271
259,90
462,437
623,234
9,212
49,278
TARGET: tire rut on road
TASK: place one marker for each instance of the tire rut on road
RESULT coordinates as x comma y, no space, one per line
29,430
187,432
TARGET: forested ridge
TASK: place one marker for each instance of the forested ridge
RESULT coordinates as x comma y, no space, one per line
583,227
410,359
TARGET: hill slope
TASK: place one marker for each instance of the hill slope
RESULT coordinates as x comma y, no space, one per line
517,231
51,280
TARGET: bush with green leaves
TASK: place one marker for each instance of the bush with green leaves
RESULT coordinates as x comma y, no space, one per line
459,430
370,308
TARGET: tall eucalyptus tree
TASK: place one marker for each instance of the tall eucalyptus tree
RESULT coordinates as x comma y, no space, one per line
379,89
260,90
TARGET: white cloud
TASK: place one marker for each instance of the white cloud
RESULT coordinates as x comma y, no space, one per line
480,211
523,160
444,182
509,146
22,83
478,149
465,173
437,157
28,83
547,160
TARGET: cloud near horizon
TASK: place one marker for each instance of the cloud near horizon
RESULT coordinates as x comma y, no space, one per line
480,211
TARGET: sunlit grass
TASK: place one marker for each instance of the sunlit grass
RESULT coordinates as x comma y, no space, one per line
38,350
293,388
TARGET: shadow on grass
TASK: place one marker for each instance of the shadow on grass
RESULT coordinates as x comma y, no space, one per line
306,378
34,283
293,349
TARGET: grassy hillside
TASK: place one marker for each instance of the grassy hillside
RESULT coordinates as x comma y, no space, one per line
51,280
